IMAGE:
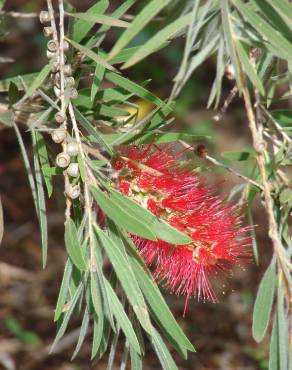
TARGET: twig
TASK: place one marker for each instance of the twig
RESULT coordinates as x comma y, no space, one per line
260,147
229,169
18,14
62,87
234,172
87,196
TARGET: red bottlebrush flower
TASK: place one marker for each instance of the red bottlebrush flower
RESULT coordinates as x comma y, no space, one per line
180,197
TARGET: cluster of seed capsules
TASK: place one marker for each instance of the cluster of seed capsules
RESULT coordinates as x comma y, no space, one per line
70,149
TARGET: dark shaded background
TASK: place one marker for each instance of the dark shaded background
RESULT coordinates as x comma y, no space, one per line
221,333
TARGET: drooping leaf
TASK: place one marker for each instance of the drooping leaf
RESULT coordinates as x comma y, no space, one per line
264,302
73,246
147,13
127,279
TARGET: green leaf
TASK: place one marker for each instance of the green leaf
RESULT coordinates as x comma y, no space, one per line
135,89
95,293
239,156
148,12
18,81
91,130
284,8
7,118
99,337
82,334
63,293
73,246
127,279
121,216
81,27
122,318
249,68
228,37
158,306
44,161
274,363
264,302
100,18
282,328
98,77
158,40
41,202
168,137
13,93
281,46
39,80
162,352
91,54
158,227
67,316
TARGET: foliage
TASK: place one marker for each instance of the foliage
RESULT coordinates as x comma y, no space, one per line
251,41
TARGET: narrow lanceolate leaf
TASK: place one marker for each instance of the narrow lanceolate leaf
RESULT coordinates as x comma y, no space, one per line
249,68
81,27
92,131
98,335
38,81
158,227
122,318
228,37
148,12
274,362
98,77
91,54
67,317
1,222
82,334
158,40
281,46
100,18
18,80
282,328
73,246
264,302
159,307
136,360
40,197
162,352
44,161
120,216
135,89
63,293
127,279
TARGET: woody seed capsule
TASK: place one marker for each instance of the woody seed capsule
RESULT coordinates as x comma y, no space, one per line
73,192
73,170
60,117
44,17
52,46
72,148
63,160
59,135
68,70
48,31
